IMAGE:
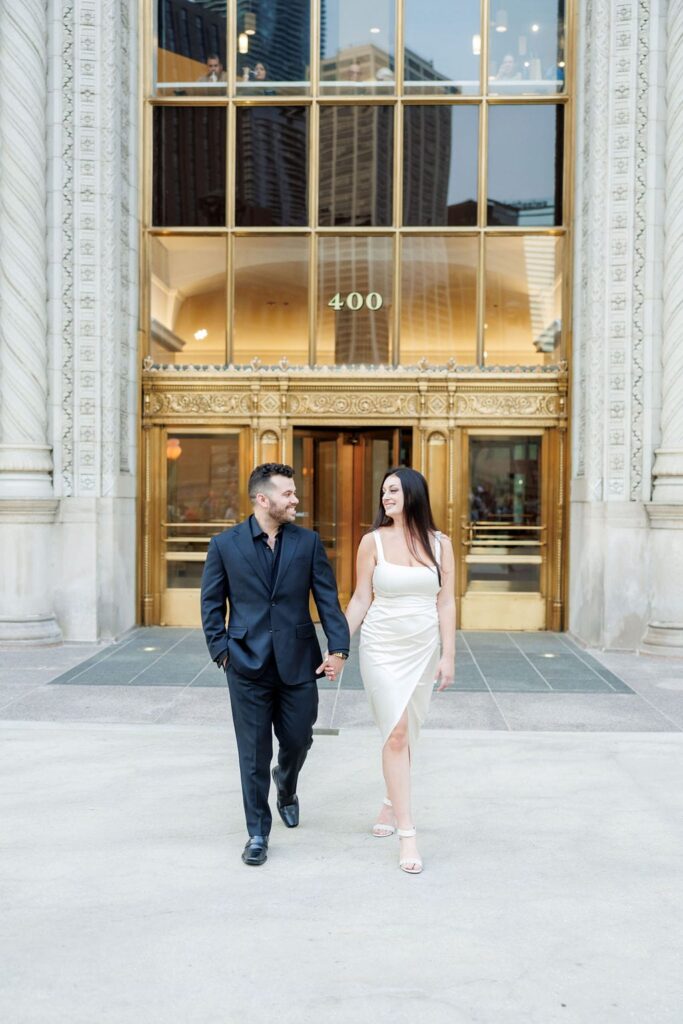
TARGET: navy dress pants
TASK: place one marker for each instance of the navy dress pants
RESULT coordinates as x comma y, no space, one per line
259,707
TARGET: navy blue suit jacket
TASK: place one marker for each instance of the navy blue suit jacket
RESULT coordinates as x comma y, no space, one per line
262,622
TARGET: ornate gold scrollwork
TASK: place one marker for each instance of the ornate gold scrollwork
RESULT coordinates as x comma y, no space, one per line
402,395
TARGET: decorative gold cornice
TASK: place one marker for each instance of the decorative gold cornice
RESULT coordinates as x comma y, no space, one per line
496,400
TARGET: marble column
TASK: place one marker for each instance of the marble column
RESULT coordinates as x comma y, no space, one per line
665,628
27,503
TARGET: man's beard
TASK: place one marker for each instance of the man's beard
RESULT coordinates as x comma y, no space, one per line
281,515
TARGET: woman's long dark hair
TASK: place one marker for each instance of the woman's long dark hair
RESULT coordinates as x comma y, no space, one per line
417,513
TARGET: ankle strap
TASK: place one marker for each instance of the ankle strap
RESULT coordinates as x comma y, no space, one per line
387,803
406,833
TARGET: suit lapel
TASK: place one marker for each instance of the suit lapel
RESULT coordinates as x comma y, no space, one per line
289,541
245,543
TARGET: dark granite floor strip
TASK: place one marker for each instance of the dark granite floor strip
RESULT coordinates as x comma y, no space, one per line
497,662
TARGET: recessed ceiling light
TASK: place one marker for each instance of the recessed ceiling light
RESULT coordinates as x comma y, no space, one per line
201,334
535,28
375,30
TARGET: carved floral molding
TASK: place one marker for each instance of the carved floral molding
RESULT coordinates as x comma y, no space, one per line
395,394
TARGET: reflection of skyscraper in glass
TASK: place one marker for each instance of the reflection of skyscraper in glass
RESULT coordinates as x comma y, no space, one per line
323,27
356,172
192,30
271,166
360,265
427,151
279,37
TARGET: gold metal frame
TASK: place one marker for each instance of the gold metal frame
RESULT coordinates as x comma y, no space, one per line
437,404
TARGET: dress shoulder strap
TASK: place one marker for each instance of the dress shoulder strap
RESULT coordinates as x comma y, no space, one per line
378,544
437,547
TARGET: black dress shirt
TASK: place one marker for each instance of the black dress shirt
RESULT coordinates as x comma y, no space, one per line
267,556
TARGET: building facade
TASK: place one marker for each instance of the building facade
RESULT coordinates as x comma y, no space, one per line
345,236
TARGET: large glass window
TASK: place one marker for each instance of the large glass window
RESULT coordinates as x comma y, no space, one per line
442,46
271,166
439,300
273,47
440,165
271,299
526,145
189,166
190,56
356,166
187,299
526,47
357,47
523,314
357,181
355,300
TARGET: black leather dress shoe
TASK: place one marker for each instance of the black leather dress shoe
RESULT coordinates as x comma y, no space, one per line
288,806
256,850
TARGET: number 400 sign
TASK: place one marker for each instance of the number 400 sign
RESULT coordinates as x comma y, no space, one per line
356,301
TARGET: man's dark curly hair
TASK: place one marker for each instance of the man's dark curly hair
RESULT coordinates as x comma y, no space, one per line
260,476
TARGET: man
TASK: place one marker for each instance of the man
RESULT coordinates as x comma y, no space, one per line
214,70
265,568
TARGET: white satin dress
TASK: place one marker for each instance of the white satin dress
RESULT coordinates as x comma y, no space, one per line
400,642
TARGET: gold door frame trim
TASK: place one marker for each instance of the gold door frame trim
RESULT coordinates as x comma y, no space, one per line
441,408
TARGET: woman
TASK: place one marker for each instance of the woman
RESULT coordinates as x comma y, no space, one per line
409,568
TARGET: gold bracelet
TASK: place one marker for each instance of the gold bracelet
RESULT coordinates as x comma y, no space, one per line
338,654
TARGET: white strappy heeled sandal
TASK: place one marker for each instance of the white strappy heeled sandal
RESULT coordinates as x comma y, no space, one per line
380,829
404,862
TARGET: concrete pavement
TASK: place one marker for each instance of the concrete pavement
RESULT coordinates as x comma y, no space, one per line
552,890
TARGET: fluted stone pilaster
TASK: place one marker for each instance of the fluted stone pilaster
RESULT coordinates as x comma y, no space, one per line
665,627
668,468
27,506
25,460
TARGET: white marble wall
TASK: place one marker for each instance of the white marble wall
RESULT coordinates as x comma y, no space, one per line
92,253
623,205
27,505
68,325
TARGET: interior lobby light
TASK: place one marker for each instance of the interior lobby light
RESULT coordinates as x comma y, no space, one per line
200,334
250,23
501,21
476,45
173,449
375,30
535,28
243,42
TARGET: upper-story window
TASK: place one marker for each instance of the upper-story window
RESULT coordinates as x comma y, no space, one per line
357,181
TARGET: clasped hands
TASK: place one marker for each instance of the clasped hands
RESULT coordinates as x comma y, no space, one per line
331,665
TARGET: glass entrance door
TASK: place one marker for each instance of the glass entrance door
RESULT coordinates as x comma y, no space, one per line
203,496
504,563
338,474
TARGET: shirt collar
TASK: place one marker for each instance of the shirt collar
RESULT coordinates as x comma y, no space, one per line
256,531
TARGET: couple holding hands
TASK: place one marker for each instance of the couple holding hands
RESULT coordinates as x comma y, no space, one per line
265,569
